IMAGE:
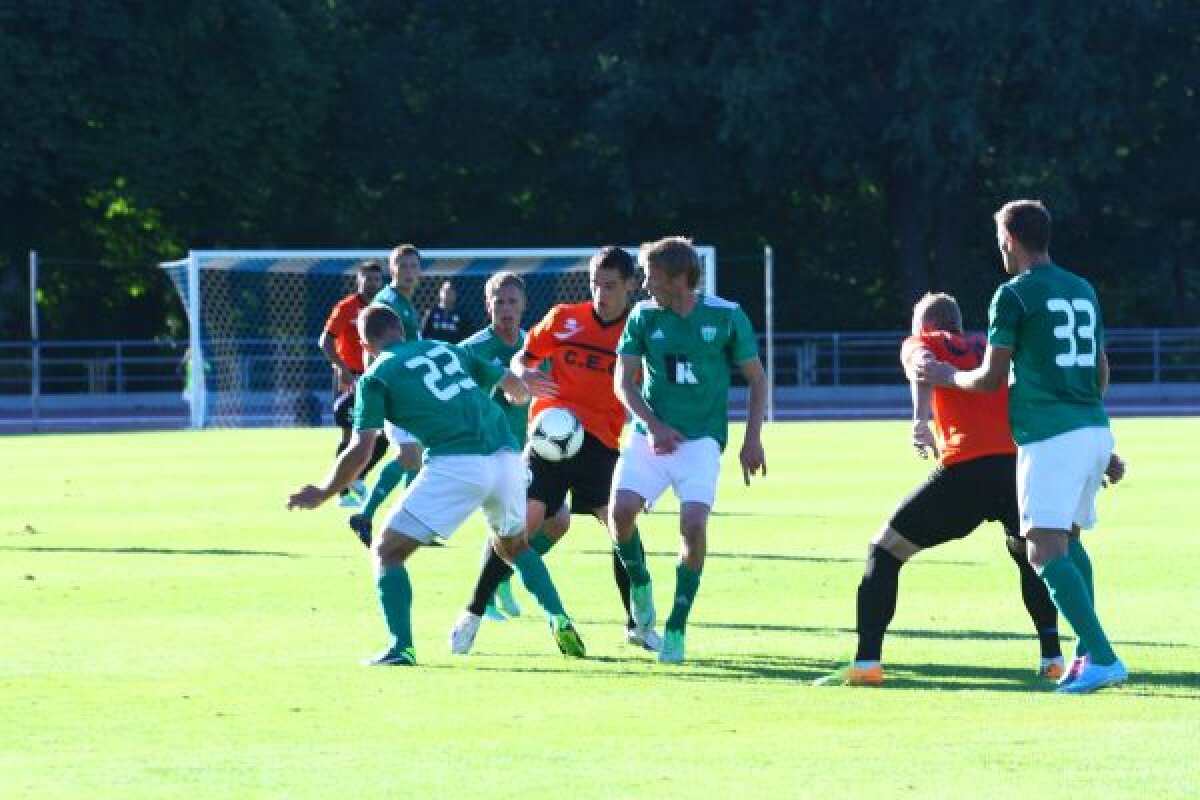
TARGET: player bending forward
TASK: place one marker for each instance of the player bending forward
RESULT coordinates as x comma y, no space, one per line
433,389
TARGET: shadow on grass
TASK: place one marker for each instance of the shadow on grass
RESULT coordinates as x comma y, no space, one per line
785,557
159,551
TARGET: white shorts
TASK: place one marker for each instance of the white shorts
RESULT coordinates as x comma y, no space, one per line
1058,478
448,489
398,436
692,470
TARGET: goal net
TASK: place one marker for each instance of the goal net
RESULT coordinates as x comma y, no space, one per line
254,318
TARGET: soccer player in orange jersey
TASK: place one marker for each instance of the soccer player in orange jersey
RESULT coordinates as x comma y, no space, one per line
343,348
579,341
975,480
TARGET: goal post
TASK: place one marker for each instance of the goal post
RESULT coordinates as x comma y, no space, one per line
254,317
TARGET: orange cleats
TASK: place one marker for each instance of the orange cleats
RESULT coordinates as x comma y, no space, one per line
853,676
1052,669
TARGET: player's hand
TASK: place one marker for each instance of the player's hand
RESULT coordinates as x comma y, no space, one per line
664,439
540,384
934,373
923,439
753,459
308,497
1115,470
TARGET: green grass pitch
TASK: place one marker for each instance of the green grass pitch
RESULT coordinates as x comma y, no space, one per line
170,631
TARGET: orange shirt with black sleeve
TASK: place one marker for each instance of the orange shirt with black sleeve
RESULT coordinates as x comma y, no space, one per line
582,351
342,325
967,425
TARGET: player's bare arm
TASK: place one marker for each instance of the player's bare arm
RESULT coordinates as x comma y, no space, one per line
538,383
345,469
663,438
514,387
327,345
922,401
987,377
752,456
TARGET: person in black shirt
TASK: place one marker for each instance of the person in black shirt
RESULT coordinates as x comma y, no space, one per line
442,322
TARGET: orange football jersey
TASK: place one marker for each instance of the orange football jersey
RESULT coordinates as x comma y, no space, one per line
581,349
342,325
967,424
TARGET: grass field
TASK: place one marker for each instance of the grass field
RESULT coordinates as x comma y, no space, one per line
169,631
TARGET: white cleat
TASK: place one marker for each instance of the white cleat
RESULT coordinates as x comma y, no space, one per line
644,638
1095,676
641,601
462,636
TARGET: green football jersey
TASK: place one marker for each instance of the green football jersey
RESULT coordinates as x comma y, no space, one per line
404,309
438,393
491,348
1050,318
686,362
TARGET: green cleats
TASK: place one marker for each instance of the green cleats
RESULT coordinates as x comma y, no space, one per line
566,637
505,600
641,601
394,657
672,647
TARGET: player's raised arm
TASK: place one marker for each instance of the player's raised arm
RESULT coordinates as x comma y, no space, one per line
987,377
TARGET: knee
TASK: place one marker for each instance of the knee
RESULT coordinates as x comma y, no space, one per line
390,549
624,511
509,547
410,456
693,528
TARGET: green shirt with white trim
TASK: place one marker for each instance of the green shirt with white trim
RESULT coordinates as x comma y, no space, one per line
686,362
438,393
1050,319
404,308
487,345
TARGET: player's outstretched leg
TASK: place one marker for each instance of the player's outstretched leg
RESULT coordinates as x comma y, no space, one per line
395,600
876,606
1041,610
529,565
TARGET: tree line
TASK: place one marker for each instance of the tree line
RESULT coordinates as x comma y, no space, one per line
868,141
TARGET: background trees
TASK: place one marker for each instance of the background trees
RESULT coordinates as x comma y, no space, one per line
867,141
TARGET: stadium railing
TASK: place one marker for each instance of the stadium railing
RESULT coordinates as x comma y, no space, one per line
107,384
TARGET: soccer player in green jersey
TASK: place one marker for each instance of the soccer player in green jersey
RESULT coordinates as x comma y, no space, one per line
434,390
683,345
404,263
1046,325
505,300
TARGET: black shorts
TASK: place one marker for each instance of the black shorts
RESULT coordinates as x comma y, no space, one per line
956,500
587,475
343,408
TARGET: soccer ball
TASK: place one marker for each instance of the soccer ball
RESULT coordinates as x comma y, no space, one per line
556,435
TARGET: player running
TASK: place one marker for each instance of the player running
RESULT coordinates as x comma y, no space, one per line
683,345
579,341
975,481
433,389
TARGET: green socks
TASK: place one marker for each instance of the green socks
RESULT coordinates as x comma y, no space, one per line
536,577
391,475
687,583
541,543
395,598
634,558
1083,563
1069,592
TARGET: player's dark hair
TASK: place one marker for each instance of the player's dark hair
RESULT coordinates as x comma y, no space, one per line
674,255
613,257
376,321
370,265
1028,222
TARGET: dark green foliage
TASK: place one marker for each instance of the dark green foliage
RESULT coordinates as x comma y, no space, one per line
867,141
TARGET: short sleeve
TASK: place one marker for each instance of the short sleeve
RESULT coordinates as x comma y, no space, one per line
633,341
539,342
369,404
341,317
1004,315
743,345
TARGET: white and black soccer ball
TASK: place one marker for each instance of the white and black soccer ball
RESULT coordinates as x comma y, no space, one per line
556,434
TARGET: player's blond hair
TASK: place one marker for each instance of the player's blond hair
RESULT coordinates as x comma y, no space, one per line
500,280
937,311
674,255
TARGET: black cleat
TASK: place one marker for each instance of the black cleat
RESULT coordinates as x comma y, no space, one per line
395,657
361,526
